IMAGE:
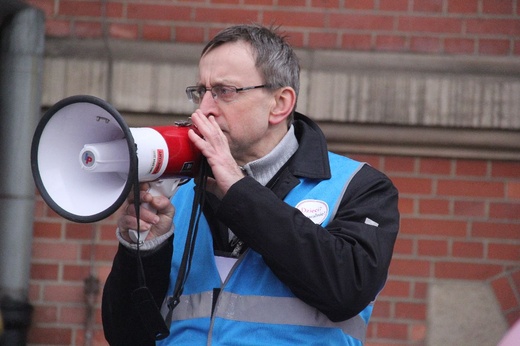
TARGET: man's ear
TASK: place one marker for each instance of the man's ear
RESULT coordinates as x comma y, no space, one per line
285,99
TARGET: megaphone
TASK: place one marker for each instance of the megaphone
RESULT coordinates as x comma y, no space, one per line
83,156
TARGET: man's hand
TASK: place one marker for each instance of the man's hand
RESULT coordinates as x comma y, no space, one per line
215,147
158,223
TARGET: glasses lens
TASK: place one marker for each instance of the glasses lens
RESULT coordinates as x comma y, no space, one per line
225,93
195,93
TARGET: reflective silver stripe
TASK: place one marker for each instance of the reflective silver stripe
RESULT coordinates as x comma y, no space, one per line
190,306
263,309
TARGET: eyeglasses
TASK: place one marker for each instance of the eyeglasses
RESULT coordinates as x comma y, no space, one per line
224,93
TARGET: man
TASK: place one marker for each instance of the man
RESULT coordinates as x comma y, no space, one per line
294,243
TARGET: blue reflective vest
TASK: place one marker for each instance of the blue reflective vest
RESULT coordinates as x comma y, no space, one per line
253,306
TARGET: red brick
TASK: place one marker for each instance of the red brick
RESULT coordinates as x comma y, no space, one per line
495,230
356,42
381,309
466,271
434,206
158,12
435,166
428,6
189,34
493,26
505,293
471,168
157,32
63,293
292,3
513,189
468,208
57,28
429,24
470,188
393,5
506,252
396,288
80,8
494,47
406,205
323,39
467,249
395,331
410,311
45,314
236,15
79,231
404,246
88,29
505,169
48,230
361,21
75,272
390,43
55,251
114,10
508,211
124,31
40,271
296,18
50,336
433,227
416,186
466,6
359,4
102,252
418,332
425,44
321,3
399,164
72,315
459,45
497,7
420,290
415,268
437,248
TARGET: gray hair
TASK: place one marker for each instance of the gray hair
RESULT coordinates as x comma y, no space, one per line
274,57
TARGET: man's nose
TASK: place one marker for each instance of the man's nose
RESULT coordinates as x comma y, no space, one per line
208,102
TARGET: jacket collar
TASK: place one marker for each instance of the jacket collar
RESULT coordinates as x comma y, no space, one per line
311,159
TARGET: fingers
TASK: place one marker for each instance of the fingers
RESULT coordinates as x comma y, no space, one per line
155,214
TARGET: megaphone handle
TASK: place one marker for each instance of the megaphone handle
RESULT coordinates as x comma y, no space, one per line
162,187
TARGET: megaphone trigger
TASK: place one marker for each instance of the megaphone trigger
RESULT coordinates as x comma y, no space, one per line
161,187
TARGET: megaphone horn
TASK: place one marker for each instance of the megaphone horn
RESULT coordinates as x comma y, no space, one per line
83,155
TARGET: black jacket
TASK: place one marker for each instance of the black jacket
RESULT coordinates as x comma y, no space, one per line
339,271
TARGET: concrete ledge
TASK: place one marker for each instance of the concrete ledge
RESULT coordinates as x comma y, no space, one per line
400,104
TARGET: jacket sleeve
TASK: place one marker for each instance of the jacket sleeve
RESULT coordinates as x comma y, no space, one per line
338,269
122,324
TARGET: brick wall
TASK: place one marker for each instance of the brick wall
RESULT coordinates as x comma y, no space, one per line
460,218
475,27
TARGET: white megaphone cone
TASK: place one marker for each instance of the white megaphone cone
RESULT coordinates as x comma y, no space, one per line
83,157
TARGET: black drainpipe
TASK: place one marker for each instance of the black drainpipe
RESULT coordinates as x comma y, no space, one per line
22,35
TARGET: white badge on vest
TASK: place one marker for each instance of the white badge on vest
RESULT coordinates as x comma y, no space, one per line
314,209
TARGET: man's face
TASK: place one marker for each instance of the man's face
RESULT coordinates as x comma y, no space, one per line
245,120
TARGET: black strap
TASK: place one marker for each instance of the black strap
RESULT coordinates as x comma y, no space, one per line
189,246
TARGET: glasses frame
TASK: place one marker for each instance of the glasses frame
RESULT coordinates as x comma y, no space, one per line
191,90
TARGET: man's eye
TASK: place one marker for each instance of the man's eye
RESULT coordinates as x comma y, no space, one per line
226,91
